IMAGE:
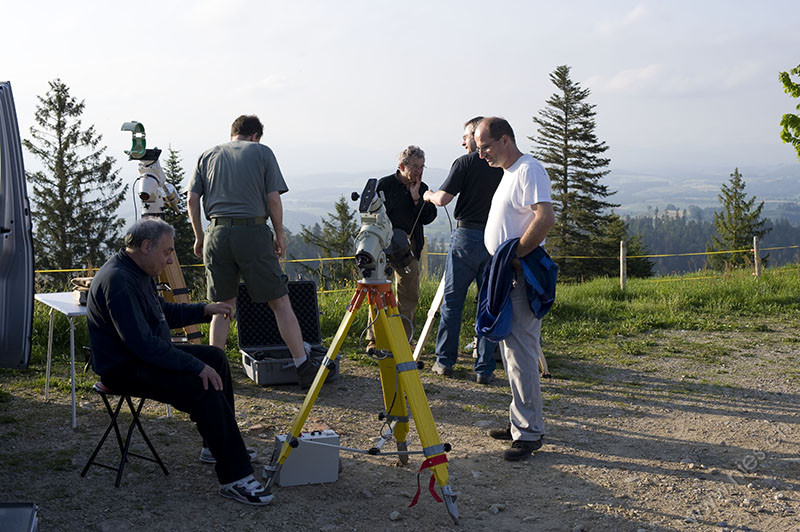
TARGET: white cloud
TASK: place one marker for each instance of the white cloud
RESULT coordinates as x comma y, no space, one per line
630,80
606,28
660,80
270,83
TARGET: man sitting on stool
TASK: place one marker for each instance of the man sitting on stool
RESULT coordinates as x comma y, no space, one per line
129,330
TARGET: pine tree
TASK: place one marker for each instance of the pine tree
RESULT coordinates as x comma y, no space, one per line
735,226
572,154
184,236
791,122
77,193
336,239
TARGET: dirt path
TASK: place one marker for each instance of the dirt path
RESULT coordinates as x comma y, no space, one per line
674,442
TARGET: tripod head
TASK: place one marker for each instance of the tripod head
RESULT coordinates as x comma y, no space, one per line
375,234
151,186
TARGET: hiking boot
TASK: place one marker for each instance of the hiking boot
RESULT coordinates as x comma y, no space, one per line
501,434
247,490
441,369
207,458
521,449
306,373
371,348
484,379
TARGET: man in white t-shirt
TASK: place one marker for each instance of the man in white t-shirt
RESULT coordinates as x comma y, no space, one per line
521,208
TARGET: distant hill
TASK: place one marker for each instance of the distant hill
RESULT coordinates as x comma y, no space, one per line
311,197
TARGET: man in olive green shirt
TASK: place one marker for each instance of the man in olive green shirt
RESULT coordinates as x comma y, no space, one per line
240,184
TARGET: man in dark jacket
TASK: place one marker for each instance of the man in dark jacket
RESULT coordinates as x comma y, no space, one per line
129,331
407,211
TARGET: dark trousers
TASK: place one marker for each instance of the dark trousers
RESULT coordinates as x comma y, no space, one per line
212,411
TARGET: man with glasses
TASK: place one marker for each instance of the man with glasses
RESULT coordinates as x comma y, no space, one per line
474,181
521,208
407,211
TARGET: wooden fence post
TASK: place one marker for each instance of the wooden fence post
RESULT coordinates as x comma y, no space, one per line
756,256
623,264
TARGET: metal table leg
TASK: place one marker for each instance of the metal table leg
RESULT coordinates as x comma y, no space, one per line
49,356
72,367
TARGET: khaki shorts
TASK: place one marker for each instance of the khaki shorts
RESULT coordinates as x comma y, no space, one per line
245,251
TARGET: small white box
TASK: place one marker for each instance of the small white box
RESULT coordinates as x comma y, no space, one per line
309,462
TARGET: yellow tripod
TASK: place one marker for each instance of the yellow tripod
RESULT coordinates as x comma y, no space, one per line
400,382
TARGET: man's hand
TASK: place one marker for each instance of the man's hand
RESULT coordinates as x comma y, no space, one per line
218,308
280,245
413,188
517,265
198,246
210,376
427,196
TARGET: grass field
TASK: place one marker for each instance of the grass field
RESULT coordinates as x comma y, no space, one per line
589,321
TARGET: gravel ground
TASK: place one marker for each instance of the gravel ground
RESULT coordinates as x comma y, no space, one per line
673,442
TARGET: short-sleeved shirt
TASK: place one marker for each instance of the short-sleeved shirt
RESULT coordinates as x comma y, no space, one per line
234,179
474,182
524,183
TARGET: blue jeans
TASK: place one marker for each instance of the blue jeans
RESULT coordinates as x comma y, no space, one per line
465,262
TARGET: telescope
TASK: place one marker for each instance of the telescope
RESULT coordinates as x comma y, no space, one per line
379,248
151,186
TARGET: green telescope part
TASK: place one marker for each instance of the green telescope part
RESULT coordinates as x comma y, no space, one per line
137,139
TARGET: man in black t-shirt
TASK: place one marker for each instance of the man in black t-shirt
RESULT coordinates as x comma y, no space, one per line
474,181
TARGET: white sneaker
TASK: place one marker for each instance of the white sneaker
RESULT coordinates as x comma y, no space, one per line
207,458
248,491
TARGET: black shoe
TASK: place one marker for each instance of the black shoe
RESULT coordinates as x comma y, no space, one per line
484,379
521,449
247,491
306,373
501,434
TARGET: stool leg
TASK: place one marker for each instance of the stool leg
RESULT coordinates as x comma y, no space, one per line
147,440
134,423
113,424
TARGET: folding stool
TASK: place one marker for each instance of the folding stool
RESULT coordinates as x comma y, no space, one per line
124,446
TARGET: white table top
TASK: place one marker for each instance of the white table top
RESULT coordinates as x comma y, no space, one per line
64,302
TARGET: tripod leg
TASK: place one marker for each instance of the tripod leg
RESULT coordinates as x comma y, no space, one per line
394,398
432,313
410,382
300,419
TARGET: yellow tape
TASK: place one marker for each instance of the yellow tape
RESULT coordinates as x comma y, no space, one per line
582,257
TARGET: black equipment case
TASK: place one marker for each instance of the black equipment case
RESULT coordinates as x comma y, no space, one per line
265,356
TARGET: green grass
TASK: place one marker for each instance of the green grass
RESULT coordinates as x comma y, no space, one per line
594,322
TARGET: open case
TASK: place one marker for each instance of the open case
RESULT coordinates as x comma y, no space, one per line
265,356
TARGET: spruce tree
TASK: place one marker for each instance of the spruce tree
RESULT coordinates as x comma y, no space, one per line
791,122
735,226
336,239
77,192
573,155
184,236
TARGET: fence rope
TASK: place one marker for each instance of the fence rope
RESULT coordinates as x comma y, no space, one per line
322,259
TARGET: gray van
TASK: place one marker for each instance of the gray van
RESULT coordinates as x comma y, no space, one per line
16,243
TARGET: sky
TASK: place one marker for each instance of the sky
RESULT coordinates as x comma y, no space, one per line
342,87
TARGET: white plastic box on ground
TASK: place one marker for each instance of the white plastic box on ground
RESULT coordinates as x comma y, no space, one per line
315,460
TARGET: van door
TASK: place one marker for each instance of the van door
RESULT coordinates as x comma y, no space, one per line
16,243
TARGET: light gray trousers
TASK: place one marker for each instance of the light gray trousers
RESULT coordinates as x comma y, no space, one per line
520,353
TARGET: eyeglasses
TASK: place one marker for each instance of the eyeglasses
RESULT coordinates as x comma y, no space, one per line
415,166
482,149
